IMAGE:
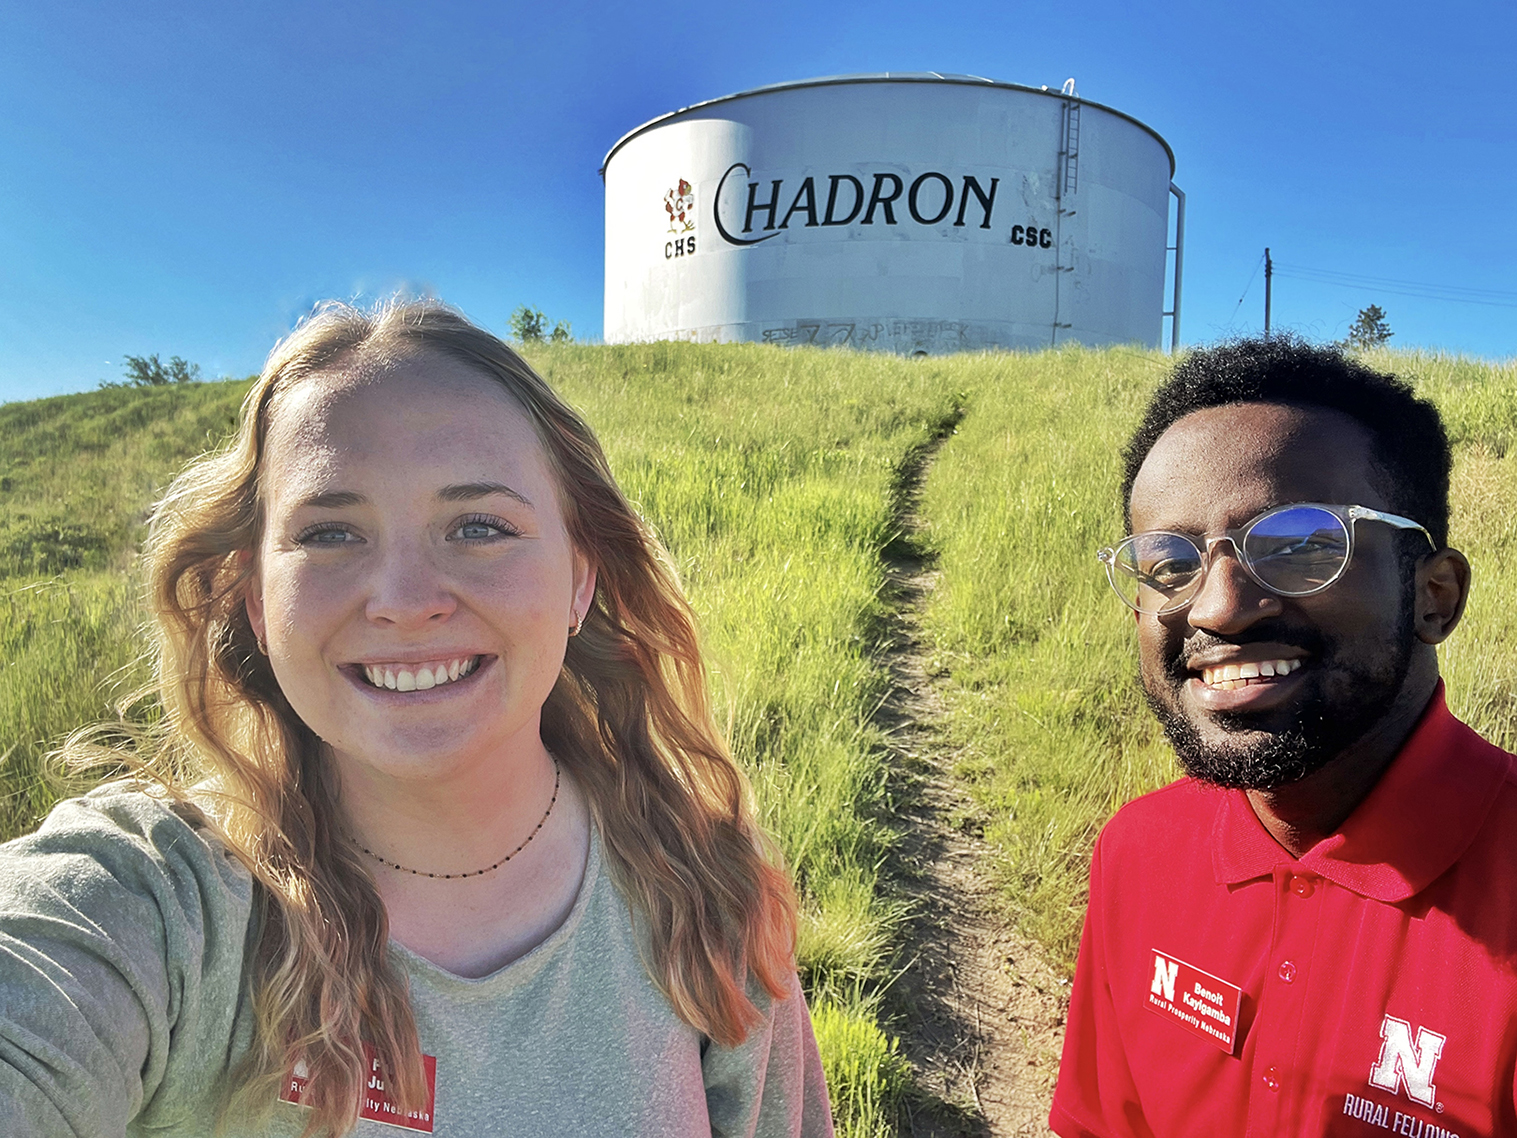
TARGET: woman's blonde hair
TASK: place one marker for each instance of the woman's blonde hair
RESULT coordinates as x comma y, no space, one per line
629,717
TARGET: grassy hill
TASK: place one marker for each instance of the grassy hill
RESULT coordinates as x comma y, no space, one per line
772,474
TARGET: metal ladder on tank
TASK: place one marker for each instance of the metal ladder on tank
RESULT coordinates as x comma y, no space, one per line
1066,182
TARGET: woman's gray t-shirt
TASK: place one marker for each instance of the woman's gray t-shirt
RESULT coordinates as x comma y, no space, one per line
124,933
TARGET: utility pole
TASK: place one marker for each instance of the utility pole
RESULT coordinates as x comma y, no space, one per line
1269,271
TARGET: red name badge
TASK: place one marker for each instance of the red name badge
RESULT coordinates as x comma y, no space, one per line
1203,1004
374,1101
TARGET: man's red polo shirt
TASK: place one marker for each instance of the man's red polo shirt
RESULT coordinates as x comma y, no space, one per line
1378,973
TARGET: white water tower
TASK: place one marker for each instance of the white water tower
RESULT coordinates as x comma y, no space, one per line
908,212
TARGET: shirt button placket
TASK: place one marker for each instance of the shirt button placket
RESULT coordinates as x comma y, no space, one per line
1275,1107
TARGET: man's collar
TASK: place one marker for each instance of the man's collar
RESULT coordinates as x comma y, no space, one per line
1414,824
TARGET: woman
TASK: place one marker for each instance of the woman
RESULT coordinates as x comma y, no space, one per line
468,856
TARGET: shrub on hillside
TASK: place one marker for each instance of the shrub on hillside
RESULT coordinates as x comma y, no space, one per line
45,547
530,326
150,371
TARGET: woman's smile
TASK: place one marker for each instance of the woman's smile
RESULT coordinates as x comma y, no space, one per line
416,678
421,676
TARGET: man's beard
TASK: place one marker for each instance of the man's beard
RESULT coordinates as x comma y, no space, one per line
1324,726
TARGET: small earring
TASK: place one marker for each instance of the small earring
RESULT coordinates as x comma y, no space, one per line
262,647
579,622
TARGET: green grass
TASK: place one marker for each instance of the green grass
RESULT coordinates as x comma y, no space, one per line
864,1068
69,651
771,476
77,472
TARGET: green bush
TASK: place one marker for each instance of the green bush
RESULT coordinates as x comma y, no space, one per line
45,547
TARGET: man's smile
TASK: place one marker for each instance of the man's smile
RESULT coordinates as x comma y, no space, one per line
1227,687
1221,677
1226,677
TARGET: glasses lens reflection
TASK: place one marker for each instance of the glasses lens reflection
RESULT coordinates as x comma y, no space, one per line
1297,550
1152,570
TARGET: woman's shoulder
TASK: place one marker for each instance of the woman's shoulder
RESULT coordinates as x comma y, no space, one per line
123,836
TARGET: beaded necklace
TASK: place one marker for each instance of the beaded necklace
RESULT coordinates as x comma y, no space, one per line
489,868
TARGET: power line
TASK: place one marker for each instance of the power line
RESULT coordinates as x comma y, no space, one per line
1457,294
1246,287
1360,278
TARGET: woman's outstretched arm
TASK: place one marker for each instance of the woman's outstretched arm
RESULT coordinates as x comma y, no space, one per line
122,938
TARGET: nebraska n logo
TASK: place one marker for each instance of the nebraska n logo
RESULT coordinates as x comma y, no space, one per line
1405,1064
1164,978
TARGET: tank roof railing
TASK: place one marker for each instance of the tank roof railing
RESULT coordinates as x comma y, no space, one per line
883,77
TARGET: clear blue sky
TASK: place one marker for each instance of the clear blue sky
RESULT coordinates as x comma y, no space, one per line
187,179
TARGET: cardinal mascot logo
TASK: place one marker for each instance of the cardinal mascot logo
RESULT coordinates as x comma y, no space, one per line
679,204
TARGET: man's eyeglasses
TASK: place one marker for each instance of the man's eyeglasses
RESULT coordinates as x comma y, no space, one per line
1293,551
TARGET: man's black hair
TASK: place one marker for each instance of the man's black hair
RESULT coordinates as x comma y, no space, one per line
1409,444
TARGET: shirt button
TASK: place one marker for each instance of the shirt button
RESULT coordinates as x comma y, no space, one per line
1287,970
1302,886
1272,1078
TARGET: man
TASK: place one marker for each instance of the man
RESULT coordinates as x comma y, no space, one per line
1314,933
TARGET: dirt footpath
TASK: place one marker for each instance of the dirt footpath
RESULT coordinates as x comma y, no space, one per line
978,1009
982,1013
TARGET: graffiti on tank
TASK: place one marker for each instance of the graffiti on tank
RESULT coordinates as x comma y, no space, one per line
930,335
908,336
824,333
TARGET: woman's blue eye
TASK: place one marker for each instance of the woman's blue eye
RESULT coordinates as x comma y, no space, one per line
326,537
481,529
